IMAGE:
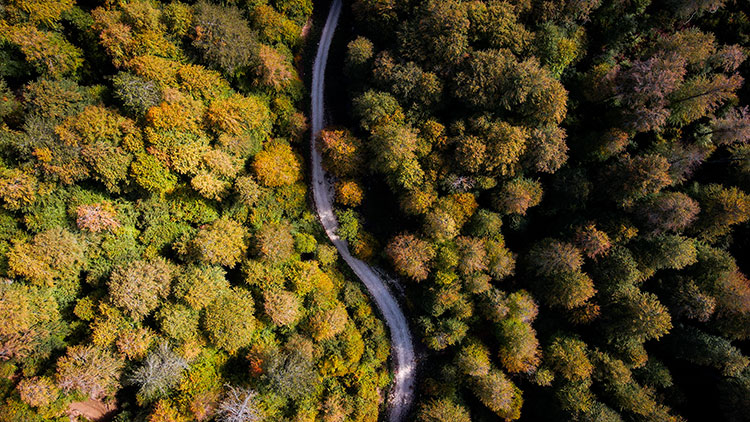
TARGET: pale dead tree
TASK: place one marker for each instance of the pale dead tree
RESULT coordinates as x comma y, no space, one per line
160,371
239,405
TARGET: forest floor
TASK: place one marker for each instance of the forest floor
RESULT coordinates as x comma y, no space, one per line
93,410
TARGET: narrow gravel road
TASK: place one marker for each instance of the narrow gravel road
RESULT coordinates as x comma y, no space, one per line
401,395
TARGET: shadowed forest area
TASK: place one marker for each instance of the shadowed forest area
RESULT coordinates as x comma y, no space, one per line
562,186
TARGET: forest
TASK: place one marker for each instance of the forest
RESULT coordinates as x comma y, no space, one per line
560,187
158,258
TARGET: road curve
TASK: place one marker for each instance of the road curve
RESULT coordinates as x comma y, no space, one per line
402,393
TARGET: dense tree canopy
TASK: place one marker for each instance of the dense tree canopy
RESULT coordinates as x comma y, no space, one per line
561,188
157,256
567,183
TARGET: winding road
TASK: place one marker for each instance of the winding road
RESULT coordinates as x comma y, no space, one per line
402,393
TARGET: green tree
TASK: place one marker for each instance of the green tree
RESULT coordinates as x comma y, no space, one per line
494,79
394,145
496,24
8,103
374,108
359,53
701,95
197,286
519,350
561,282
152,175
721,207
222,36
568,356
274,27
443,410
299,10
229,320
499,394
408,83
640,316
559,47
443,332
734,395
473,359
376,15
439,38
667,251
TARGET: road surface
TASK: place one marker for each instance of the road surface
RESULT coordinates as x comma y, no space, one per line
402,393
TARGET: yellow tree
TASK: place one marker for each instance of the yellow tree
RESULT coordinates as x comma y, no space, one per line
38,391
17,188
277,165
342,152
139,287
25,314
50,256
221,242
49,52
282,306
